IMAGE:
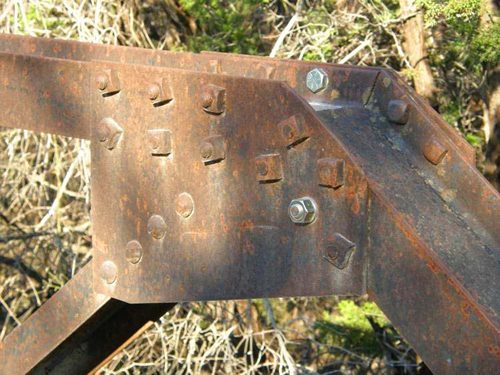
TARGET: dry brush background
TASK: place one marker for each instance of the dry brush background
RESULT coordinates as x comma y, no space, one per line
45,233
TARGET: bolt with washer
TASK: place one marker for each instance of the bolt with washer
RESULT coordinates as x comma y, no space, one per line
316,80
302,210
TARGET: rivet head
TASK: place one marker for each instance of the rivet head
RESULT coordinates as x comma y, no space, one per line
102,81
108,82
206,99
338,250
184,205
316,80
213,149
133,252
153,91
109,272
262,169
206,150
302,210
213,99
331,172
160,142
294,130
109,132
268,168
435,151
157,227
398,111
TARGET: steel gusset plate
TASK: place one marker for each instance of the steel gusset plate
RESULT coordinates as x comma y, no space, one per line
190,203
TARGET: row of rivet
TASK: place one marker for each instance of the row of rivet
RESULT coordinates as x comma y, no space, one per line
212,149
157,229
398,112
212,98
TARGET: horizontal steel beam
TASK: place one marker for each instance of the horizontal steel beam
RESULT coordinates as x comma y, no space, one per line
201,165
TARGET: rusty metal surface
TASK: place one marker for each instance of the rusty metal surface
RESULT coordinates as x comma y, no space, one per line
74,331
185,207
429,279
44,95
196,158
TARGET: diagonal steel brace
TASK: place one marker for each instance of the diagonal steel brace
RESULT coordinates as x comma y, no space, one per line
198,164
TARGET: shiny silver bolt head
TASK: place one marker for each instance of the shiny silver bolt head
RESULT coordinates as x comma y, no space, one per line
316,80
302,210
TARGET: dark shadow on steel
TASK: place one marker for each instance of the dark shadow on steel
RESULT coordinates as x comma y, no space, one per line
190,198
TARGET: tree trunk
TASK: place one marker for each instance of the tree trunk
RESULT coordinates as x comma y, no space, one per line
415,49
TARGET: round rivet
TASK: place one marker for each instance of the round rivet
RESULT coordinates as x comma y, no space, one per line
153,91
184,205
262,169
102,81
206,150
109,272
206,100
134,252
157,227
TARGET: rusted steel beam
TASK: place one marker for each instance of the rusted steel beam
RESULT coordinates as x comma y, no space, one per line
75,331
277,178
44,95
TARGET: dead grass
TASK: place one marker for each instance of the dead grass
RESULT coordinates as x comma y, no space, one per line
44,203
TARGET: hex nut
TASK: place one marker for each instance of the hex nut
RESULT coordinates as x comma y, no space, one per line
302,210
316,80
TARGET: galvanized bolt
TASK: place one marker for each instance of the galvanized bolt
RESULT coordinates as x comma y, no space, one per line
157,227
302,210
316,80
184,205
109,132
109,272
133,252
398,111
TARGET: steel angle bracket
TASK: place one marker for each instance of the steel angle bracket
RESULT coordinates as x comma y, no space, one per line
190,198
193,174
